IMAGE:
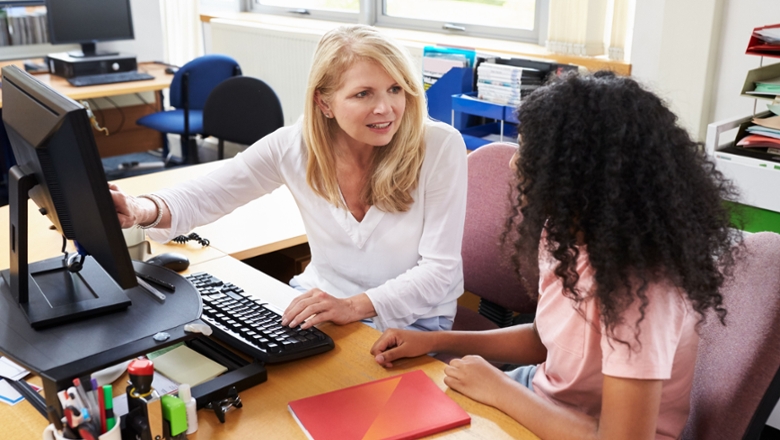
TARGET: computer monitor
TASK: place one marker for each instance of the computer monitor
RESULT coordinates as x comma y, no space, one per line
88,22
58,166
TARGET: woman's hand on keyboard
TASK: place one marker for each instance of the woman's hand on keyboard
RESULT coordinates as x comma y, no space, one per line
316,306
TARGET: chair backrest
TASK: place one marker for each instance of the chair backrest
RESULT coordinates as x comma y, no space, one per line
242,109
487,269
203,74
736,384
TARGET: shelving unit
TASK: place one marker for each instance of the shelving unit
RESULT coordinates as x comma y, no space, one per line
475,136
757,178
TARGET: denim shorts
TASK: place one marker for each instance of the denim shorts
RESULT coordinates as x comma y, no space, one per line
524,375
431,324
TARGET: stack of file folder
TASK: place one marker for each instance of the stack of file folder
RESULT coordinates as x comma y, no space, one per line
764,134
506,85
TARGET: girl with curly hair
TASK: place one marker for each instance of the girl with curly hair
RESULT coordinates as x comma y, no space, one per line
623,216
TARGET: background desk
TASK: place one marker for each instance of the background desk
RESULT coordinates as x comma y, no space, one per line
131,138
264,225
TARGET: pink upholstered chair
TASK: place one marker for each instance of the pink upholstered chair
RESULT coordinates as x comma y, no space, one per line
487,269
737,379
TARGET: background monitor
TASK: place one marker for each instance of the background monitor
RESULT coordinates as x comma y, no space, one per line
58,166
88,22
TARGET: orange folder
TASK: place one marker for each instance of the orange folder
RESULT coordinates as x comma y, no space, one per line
407,406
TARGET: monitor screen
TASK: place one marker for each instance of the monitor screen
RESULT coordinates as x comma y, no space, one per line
89,21
53,142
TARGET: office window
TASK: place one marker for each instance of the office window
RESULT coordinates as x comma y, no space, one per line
514,19
341,10
520,20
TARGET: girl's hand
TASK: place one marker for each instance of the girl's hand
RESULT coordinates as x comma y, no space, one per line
476,378
316,306
396,344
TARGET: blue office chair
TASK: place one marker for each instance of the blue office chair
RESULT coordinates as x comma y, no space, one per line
190,87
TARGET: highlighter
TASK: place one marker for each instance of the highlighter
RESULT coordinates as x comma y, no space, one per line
108,399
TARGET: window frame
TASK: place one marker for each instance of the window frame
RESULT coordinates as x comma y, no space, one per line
537,36
315,14
371,12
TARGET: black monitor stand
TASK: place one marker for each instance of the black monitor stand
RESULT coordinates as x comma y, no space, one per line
47,291
89,50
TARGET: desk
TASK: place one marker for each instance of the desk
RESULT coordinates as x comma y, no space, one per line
265,406
265,411
131,138
161,81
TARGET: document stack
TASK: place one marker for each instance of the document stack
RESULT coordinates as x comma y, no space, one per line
505,84
765,133
437,61
22,25
435,65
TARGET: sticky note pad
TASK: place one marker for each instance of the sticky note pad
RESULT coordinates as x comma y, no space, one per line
185,365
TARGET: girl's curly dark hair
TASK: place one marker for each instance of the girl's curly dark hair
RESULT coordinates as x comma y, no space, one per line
603,159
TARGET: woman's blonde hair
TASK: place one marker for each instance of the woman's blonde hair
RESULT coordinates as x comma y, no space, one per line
396,166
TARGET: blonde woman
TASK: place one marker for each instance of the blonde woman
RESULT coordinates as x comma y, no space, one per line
381,189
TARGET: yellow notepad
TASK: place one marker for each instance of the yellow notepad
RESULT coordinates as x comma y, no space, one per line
185,365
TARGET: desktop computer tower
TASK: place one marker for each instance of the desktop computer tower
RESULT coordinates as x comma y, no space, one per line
64,65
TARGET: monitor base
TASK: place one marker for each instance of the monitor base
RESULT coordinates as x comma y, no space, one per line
56,295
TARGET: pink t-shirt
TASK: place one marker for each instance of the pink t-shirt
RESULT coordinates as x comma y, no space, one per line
579,353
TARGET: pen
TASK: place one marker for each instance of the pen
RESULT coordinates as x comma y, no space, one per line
86,401
80,392
159,296
108,396
97,401
157,281
102,405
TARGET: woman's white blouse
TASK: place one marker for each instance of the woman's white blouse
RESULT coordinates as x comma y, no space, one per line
408,263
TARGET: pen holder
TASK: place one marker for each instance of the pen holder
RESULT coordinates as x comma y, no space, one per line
51,433
139,248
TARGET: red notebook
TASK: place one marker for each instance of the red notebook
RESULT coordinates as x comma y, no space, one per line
406,406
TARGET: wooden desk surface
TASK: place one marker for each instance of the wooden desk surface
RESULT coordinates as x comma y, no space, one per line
265,412
161,81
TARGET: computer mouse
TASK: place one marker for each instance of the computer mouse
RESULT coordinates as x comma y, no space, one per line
171,70
171,260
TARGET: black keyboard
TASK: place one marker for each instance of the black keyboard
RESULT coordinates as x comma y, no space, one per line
248,325
108,78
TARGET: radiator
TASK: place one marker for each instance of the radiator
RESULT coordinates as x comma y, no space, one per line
279,56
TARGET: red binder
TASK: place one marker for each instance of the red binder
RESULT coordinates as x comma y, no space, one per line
407,406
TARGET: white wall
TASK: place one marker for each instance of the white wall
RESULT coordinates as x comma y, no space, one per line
673,52
692,53
739,19
148,30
